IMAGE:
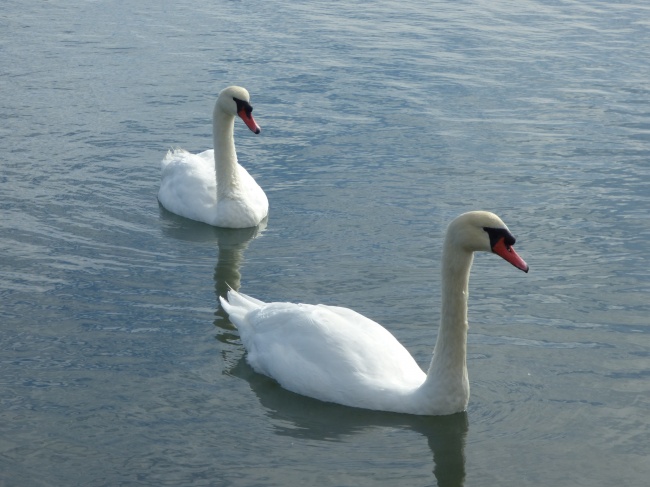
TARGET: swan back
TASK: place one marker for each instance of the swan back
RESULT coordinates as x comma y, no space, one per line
327,352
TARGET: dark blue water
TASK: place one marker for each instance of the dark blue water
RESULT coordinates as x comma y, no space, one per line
381,122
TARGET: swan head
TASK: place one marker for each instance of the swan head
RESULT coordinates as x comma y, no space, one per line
235,100
482,231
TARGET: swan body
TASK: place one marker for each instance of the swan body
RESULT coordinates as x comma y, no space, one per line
338,355
212,187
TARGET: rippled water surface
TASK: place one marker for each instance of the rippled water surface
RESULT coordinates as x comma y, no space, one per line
381,122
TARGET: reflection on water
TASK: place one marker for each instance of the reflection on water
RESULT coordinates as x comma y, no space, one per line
303,417
231,242
180,228
232,245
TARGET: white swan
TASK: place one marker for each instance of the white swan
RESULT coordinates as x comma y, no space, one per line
337,355
212,187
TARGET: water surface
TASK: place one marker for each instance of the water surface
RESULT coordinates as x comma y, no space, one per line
380,124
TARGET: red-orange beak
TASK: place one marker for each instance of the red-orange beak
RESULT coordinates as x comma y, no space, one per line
249,121
508,253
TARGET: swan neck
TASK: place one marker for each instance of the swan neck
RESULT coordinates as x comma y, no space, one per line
450,352
225,155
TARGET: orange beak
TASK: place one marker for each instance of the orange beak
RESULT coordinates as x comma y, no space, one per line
249,121
508,253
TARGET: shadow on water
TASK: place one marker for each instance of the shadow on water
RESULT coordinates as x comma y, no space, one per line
302,417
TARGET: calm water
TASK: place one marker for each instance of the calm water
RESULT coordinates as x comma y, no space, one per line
381,122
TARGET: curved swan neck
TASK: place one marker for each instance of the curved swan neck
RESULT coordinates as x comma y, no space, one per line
225,155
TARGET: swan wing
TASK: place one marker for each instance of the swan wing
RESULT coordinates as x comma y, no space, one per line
326,352
188,184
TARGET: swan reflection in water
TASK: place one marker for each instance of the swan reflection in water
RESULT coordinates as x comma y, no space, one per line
231,243
317,420
227,275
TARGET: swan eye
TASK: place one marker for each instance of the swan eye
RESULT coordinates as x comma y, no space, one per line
497,234
243,105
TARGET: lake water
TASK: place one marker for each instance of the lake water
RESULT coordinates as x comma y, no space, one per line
381,122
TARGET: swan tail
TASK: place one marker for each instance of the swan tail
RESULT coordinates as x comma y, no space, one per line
238,305
173,153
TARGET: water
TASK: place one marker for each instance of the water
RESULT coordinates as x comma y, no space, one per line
381,122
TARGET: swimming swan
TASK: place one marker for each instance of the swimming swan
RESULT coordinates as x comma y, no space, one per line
212,187
335,354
